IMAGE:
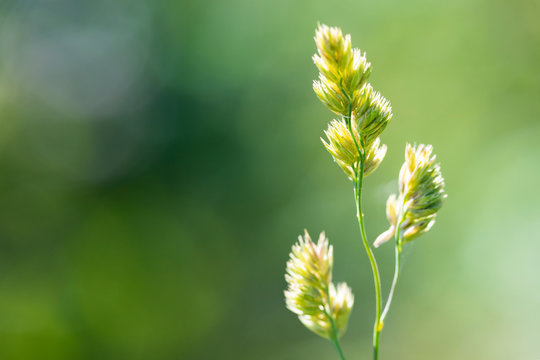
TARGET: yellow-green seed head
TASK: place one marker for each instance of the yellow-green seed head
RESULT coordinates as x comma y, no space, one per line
421,194
342,301
343,88
330,95
334,52
371,113
343,149
375,153
310,293
343,70
356,73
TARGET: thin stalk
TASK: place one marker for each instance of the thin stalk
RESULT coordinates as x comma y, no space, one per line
397,266
373,262
334,338
397,254
338,348
358,182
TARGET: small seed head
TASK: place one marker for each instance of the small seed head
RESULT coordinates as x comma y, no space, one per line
330,95
374,156
343,149
310,293
372,112
342,301
334,52
421,194
342,69
357,72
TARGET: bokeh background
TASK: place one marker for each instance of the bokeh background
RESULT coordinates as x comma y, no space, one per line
159,158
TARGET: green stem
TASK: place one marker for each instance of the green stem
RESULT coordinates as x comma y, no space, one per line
358,182
397,266
334,338
338,348
373,262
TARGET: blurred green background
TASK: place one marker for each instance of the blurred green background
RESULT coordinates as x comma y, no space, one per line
159,158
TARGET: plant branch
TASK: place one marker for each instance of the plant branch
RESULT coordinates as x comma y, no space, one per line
397,266
397,254
358,182
372,260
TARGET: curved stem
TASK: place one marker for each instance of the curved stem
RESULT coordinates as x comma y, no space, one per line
394,283
373,262
396,270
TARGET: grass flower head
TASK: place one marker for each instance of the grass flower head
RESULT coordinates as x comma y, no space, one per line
421,194
320,305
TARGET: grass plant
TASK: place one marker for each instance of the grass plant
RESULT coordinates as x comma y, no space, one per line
353,140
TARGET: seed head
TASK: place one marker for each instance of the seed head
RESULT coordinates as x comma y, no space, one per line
343,149
374,156
421,194
342,301
342,69
334,52
371,113
330,95
343,88
310,293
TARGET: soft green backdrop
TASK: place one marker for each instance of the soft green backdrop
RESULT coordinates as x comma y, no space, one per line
159,158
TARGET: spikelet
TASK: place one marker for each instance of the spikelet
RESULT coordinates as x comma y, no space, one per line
343,70
343,88
343,149
371,114
330,95
374,156
311,294
421,194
